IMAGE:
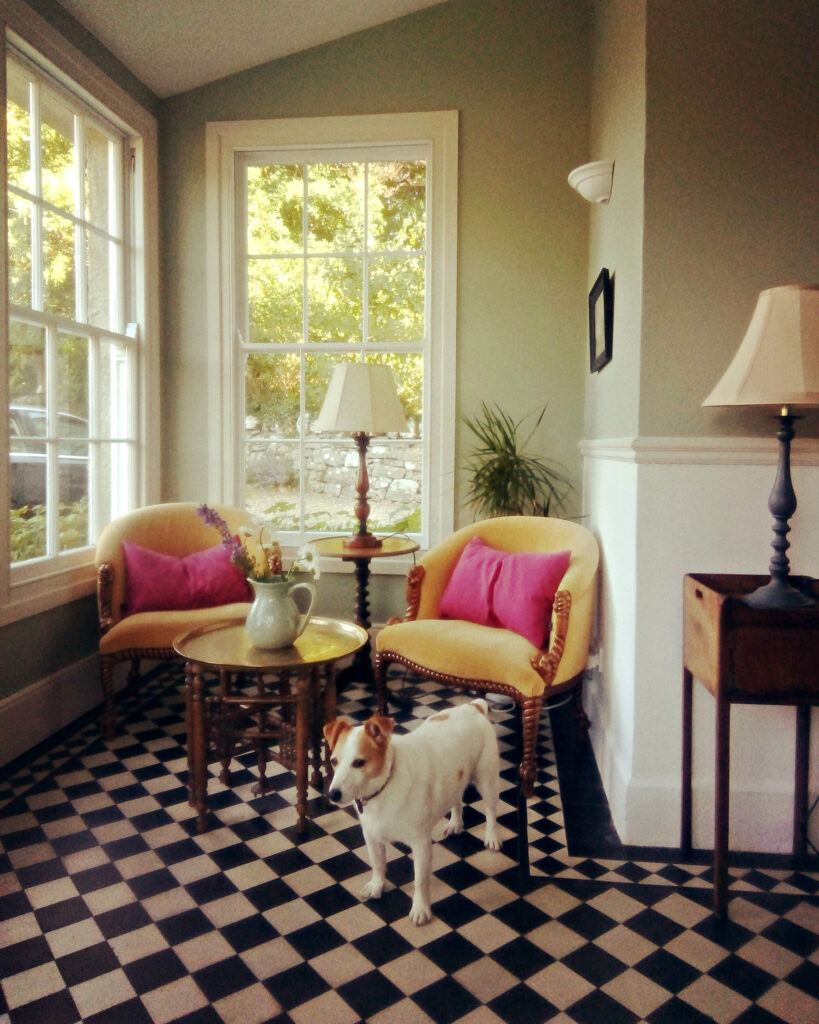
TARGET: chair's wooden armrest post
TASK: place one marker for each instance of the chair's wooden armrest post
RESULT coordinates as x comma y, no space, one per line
547,662
415,578
105,590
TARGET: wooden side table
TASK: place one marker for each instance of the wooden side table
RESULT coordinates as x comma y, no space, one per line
257,705
391,547
746,655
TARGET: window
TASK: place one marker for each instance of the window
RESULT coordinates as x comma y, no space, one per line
76,321
343,249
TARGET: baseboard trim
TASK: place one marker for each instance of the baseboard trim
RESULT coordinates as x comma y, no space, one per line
36,712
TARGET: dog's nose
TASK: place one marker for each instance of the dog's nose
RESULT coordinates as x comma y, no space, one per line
335,794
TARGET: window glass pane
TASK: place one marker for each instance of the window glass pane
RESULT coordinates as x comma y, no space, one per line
18,128
394,469
101,258
59,266
113,464
396,298
272,388
27,533
408,375
27,368
335,295
57,151
335,207
111,393
73,511
275,297
72,385
99,155
318,369
19,251
397,204
272,481
275,209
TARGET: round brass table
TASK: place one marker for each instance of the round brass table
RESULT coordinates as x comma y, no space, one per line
264,697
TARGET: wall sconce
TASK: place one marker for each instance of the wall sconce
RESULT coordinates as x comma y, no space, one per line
593,181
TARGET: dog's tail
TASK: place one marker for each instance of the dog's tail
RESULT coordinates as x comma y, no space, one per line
481,705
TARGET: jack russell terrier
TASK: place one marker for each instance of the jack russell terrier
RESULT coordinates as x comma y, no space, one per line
402,785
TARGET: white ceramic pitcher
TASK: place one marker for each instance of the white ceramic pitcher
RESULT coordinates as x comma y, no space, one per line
276,619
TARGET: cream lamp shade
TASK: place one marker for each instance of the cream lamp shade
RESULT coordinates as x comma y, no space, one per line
778,360
361,399
777,365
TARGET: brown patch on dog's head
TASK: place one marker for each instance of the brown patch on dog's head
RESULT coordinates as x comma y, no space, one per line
375,739
334,730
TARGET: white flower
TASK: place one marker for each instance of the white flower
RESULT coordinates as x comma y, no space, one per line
308,560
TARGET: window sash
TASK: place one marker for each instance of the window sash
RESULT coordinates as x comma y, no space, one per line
303,138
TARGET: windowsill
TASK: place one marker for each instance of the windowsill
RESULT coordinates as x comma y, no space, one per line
41,595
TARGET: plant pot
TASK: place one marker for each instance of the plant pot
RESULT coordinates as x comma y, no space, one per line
276,618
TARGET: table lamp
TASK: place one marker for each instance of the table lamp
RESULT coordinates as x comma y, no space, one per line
777,365
362,400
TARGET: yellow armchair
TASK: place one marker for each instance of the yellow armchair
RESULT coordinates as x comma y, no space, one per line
485,658
168,529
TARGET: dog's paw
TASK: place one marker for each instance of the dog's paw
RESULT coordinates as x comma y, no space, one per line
420,913
371,891
492,841
452,828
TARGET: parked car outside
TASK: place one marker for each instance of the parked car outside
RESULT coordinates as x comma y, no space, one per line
28,428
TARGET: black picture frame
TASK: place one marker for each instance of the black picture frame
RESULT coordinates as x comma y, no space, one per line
601,321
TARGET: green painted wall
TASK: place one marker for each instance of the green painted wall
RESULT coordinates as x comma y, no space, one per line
731,194
518,75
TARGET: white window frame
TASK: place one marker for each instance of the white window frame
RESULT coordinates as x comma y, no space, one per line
30,588
225,140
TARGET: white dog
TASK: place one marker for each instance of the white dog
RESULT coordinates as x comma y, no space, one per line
402,785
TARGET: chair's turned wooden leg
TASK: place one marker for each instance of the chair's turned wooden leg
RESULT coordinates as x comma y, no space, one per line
530,714
524,873
380,685
108,713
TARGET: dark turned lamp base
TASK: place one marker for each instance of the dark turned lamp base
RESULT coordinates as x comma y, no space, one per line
779,592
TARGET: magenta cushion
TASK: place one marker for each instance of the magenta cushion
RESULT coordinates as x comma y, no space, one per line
160,583
511,589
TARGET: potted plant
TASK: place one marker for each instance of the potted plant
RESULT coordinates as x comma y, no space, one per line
504,479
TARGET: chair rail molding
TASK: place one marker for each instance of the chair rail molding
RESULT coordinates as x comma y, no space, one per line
728,451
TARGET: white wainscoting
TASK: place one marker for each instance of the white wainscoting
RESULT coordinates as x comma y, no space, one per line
660,508
31,715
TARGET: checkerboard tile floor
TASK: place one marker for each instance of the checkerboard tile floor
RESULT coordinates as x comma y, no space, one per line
113,910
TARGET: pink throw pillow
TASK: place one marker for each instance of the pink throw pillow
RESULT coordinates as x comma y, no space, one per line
525,592
159,583
511,589
468,593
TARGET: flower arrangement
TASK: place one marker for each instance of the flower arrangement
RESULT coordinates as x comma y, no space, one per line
271,569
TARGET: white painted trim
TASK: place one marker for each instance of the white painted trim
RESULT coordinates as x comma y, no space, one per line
223,141
31,715
65,579
701,451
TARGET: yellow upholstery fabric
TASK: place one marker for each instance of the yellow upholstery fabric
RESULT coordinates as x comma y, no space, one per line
170,529
464,650
160,629
458,648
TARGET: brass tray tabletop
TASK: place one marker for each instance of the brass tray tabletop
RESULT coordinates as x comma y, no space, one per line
225,645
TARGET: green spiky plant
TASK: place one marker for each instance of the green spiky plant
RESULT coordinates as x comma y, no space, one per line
504,480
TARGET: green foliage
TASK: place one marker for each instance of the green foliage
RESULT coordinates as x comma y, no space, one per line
28,529
504,480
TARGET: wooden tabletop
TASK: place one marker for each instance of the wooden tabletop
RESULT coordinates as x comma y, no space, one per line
333,547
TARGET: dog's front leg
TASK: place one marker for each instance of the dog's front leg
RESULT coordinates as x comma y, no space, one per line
378,859
420,911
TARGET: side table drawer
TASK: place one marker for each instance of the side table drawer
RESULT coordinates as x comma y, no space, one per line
771,663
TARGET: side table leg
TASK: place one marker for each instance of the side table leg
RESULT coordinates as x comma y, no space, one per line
197,742
685,813
721,805
800,789
303,699
316,723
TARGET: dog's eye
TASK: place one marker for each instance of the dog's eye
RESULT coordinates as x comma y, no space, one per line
334,762
359,762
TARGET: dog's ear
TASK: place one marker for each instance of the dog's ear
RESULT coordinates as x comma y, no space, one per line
379,728
333,730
